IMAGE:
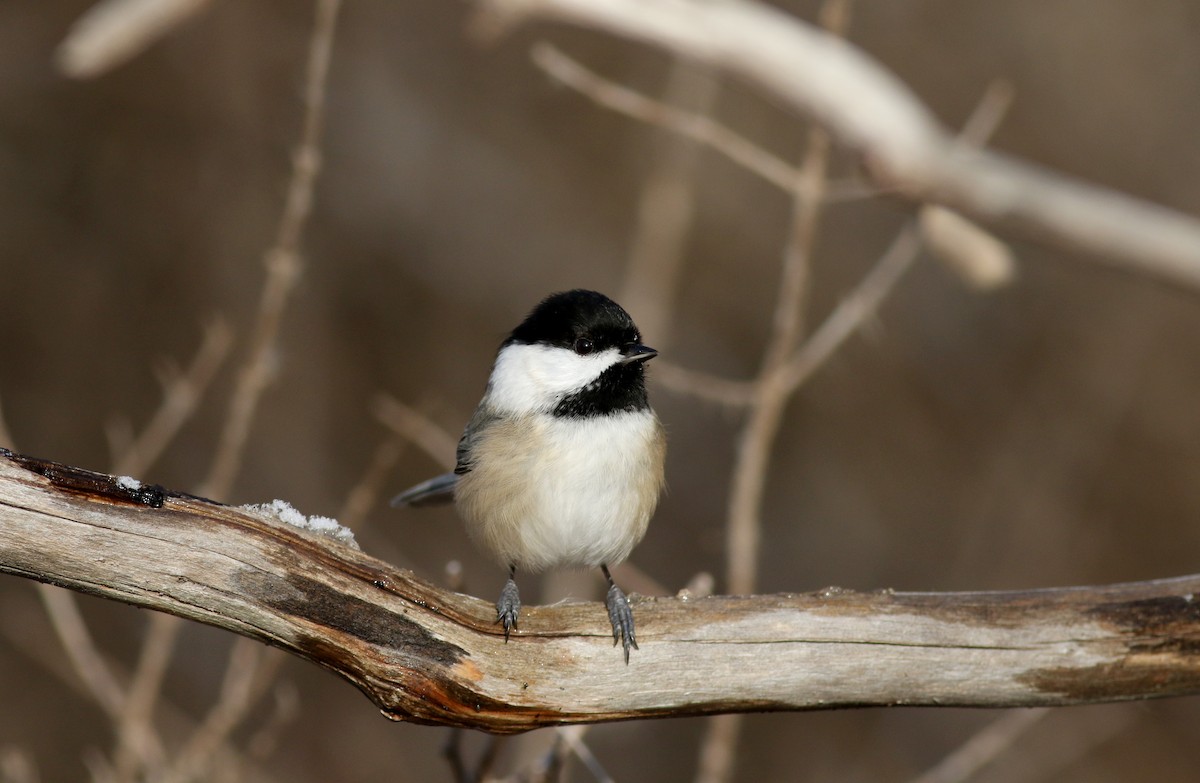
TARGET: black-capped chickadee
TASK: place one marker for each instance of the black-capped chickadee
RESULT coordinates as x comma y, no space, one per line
562,463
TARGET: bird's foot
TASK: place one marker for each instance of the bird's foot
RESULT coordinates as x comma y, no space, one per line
508,607
621,616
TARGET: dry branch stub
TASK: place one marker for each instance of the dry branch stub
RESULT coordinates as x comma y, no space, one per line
433,656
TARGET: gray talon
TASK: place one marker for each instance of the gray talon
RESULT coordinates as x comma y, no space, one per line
508,608
621,616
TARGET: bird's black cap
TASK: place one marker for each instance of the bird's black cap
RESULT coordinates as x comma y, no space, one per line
562,319
587,322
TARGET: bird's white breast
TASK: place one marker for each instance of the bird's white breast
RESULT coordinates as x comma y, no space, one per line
546,492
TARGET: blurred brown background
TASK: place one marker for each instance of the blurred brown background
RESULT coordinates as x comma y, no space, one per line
1045,434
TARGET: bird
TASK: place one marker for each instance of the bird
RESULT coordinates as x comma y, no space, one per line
562,463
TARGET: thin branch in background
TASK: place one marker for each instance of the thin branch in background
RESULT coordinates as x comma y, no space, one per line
282,261
963,246
702,385
182,392
873,113
666,208
363,495
572,738
98,767
758,434
692,125
81,649
142,743
697,127
980,259
968,249
859,306
701,585
285,709
416,428
249,673
112,32
984,746
40,653
452,751
547,769
987,115
487,760
136,746
743,527
866,298
779,383
1072,744
17,765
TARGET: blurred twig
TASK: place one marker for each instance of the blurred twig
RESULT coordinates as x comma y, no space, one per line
17,766
572,738
870,111
363,495
690,124
250,671
743,526
285,709
138,745
68,673
282,261
703,385
666,207
969,250
68,624
452,751
697,127
138,749
417,429
985,745
114,31
182,391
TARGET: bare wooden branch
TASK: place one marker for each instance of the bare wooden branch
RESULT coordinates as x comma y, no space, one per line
433,656
868,109
114,31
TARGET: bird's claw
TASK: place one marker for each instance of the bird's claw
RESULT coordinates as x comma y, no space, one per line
508,608
621,616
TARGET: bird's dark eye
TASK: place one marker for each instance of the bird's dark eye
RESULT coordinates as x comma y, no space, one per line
584,346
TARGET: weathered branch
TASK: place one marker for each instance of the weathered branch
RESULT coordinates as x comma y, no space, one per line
868,109
433,656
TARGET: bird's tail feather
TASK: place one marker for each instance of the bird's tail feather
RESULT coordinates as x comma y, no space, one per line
435,491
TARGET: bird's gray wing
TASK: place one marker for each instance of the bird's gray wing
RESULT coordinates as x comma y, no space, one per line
483,418
440,489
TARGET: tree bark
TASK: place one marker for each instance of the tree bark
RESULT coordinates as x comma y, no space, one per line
432,656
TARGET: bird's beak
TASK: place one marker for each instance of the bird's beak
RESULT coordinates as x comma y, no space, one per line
636,352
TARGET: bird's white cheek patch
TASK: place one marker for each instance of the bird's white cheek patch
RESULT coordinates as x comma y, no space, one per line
529,378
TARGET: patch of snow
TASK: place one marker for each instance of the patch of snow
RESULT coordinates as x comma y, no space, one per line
128,482
284,512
